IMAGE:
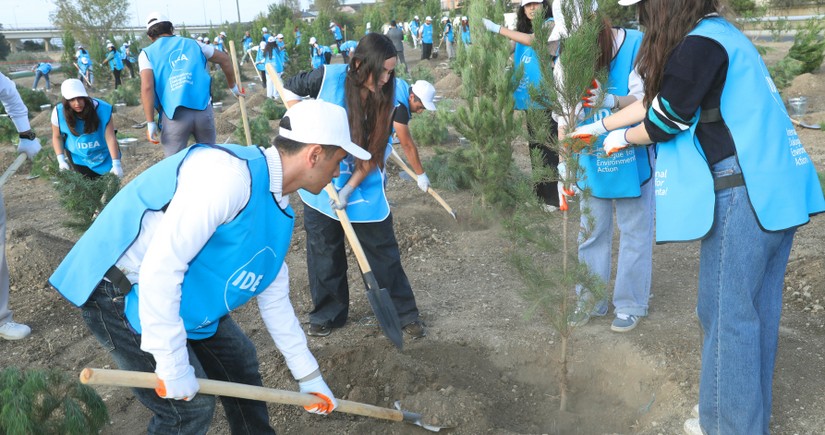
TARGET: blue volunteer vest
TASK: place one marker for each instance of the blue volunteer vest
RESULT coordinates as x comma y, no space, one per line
317,55
247,43
448,31
88,150
621,174
44,68
265,37
367,203
347,46
336,32
181,77
465,35
414,28
780,178
525,56
115,63
276,60
258,58
238,262
427,33
298,37
84,66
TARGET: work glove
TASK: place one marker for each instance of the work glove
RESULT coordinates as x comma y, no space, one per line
184,387
491,26
343,197
62,164
585,131
29,146
237,91
423,182
616,140
565,191
152,132
117,169
594,95
317,387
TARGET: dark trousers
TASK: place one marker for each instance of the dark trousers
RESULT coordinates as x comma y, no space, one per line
426,51
131,67
228,355
547,191
262,73
116,73
327,266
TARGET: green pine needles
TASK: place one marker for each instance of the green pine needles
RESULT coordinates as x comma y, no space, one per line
48,402
83,197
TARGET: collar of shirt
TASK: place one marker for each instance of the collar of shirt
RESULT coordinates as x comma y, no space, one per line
276,176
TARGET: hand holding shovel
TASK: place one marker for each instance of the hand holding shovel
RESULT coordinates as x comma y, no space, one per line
397,159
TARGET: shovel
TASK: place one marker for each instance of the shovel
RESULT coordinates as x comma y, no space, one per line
379,297
242,98
397,159
124,378
805,125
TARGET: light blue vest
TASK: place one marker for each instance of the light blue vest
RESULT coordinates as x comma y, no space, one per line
427,33
336,32
298,37
368,203
247,43
115,62
88,150
525,56
347,46
84,66
258,58
621,174
276,60
238,262
780,178
44,67
414,28
465,35
181,78
448,31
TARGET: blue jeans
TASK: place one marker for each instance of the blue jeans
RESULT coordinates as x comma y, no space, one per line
37,75
327,267
634,217
741,274
228,355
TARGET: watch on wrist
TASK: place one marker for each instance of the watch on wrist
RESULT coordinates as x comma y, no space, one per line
27,135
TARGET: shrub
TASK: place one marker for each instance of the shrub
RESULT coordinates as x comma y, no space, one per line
8,132
784,71
271,110
32,99
421,72
428,128
809,46
259,130
84,197
219,84
128,92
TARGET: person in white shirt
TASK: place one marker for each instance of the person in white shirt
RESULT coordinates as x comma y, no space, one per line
188,241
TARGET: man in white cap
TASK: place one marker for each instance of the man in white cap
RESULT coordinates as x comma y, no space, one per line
336,34
188,241
264,34
412,99
29,144
174,80
415,24
426,35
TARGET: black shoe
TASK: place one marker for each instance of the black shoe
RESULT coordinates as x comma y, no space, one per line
415,329
319,330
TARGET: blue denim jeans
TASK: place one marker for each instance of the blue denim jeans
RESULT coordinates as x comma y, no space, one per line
228,355
327,267
634,217
741,274
37,75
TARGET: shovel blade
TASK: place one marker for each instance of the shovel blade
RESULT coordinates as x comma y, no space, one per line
384,310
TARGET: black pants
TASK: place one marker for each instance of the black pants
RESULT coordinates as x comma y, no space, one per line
262,73
131,67
116,73
547,191
426,51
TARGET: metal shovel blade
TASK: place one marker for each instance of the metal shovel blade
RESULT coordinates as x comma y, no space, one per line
413,418
384,310
806,125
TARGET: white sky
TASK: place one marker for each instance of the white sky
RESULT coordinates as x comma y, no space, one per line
28,13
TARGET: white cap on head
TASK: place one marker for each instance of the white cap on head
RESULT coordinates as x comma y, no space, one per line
154,18
527,2
279,36
303,126
628,2
262,45
271,39
443,19
331,24
415,17
110,45
464,18
425,92
264,29
223,33
429,18
73,88
312,40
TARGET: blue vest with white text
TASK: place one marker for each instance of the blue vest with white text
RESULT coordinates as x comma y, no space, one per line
621,174
90,149
525,56
367,203
414,28
239,261
780,178
427,33
181,77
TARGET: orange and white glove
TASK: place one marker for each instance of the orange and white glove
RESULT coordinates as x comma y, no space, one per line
616,140
317,387
598,94
565,191
184,387
590,132
238,92
152,132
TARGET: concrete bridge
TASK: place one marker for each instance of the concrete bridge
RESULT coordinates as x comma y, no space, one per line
16,36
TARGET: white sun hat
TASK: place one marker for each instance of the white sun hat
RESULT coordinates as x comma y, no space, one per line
312,40
331,24
154,18
303,126
425,92
264,29
628,2
271,39
429,18
527,2
415,17
279,36
73,88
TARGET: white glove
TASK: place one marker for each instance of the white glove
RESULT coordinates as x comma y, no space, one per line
152,132
590,132
616,140
565,191
343,197
491,26
117,169
423,182
317,387
237,92
594,95
29,146
62,164
183,388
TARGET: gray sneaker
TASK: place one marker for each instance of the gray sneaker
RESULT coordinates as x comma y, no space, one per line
14,331
624,322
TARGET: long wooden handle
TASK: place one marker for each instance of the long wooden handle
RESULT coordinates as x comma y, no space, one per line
12,168
82,75
350,232
276,80
409,171
241,100
124,378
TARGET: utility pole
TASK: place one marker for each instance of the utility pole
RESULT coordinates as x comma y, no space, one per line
238,8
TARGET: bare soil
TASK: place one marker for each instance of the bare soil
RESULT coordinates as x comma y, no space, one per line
485,367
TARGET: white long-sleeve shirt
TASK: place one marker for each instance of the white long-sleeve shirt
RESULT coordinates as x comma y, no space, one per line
14,105
213,187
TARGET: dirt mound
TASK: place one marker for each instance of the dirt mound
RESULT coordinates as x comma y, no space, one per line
449,86
42,122
224,127
123,121
33,255
808,85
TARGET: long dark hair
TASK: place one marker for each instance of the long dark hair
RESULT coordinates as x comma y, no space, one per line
270,46
88,115
666,24
606,43
370,118
524,25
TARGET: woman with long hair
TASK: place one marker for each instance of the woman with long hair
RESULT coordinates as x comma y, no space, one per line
272,55
83,127
366,88
733,175
525,56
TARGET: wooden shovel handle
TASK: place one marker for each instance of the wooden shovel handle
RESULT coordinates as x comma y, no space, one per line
396,158
124,378
241,100
276,81
350,232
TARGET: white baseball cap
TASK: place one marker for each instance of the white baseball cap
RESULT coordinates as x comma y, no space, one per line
415,17
271,39
223,33
303,121
429,18
279,36
527,2
628,2
443,19
464,18
262,45
200,38
217,39
154,18
110,45
73,88
331,24
425,92
312,40
264,29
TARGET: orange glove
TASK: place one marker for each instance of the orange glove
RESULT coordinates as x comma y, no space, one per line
152,132
184,387
615,141
317,387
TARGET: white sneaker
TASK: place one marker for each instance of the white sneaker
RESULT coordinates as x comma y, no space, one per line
549,208
695,411
14,331
692,427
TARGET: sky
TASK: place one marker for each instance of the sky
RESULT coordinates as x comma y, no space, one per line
21,14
